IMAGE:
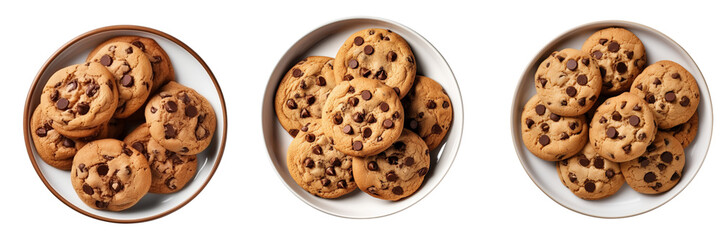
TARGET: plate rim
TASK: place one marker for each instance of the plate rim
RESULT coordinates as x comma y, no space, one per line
364,18
27,113
564,35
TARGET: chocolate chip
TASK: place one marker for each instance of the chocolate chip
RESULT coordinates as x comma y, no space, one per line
555,117
623,104
357,145
317,150
675,176
310,137
368,50
560,58
126,81
431,104
304,113
337,118
367,132
169,131
325,182
571,91
650,98
670,96
41,132
353,64
582,80
347,77
540,109
353,101
436,129
544,140
610,173
637,108
391,177
68,143
422,172
54,96
384,107
529,123
611,132
446,104
572,65
370,118
191,111
100,204
399,146
582,102
661,166
598,162
643,161
72,86
388,124
572,177
381,75
62,104
330,171
616,116
372,166
102,169
666,157
358,117
397,90
585,61
391,57
564,136
621,68
597,54
83,108
347,129
602,120
685,101
320,81
543,82
397,190
358,41
106,60
92,90
342,184
365,72
613,46
409,161
634,120
87,189
545,127
602,41
366,95
676,76
649,177
171,106
573,125
584,161
153,109
589,186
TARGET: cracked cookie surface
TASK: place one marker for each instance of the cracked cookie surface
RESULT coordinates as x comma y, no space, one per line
620,56
133,75
302,92
622,128
363,116
428,111
670,90
318,167
79,99
180,119
108,175
170,171
54,148
549,136
568,82
378,54
590,176
395,173
659,169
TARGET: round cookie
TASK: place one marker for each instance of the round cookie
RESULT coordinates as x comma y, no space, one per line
170,171
377,54
670,90
657,170
395,173
132,71
163,71
551,137
54,148
318,167
620,56
622,128
363,116
590,176
568,82
428,111
685,132
302,92
180,119
108,175
79,98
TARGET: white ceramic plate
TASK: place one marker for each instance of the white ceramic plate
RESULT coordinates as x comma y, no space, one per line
626,202
325,41
190,70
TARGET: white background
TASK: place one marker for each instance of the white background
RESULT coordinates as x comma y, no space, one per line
486,193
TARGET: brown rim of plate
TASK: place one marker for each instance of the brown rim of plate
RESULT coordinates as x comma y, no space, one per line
27,111
566,34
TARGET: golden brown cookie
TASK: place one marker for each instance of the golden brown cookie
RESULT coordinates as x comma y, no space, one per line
590,176
659,169
620,56
428,111
54,148
551,137
568,82
622,128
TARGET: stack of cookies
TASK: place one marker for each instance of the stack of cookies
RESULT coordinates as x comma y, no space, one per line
80,121
605,118
362,120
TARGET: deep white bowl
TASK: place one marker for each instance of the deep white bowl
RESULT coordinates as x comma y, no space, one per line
325,41
190,70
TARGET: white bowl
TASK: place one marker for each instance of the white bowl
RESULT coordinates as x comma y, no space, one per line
325,41
626,202
190,70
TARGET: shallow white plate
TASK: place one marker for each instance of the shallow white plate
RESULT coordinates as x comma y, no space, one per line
325,41
190,70
626,202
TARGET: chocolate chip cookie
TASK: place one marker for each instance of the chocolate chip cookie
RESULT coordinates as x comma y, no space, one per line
659,169
685,132
302,92
568,82
318,167
590,176
377,54
170,171
670,90
54,148
549,136
108,175
622,128
363,116
395,173
180,119
620,56
79,99
132,71
428,111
